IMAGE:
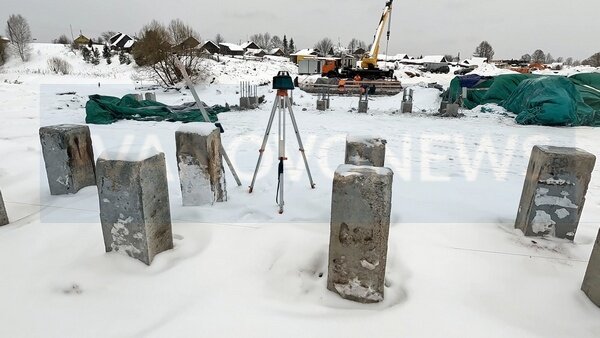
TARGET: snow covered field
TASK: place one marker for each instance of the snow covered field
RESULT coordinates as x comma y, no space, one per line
456,266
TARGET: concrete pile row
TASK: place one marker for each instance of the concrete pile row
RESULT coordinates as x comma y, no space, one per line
136,220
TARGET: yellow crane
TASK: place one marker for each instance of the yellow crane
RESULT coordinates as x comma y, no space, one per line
369,60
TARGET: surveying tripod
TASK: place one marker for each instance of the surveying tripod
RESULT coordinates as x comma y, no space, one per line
283,83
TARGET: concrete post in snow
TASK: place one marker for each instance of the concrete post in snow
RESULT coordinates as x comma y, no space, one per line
150,96
69,158
591,282
365,150
554,192
360,222
199,159
3,215
134,203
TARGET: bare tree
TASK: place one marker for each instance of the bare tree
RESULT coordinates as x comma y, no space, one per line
62,40
180,31
538,56
153,53
324,46
569,61
276,42
219,39
263,40
3,53
105,36
19,33
526,58
355,44
560,59
576,63
549,58
593,60
485,50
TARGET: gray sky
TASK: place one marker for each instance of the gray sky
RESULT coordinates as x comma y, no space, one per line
513,27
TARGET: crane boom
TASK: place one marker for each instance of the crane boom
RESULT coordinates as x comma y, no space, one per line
369,61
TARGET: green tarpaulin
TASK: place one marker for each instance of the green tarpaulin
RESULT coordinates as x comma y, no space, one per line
108,109
535,99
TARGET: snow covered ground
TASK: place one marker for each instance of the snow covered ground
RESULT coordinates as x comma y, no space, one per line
456,266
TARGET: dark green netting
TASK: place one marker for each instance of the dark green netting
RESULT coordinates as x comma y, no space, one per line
549,101
536,99
108,109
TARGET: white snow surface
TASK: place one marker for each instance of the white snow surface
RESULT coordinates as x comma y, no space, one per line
200,128
456,267
129,153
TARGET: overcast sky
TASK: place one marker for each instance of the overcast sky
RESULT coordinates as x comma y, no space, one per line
513,27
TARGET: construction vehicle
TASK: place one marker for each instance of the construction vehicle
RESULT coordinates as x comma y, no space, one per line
369,68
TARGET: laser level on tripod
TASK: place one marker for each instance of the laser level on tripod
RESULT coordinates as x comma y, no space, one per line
282,83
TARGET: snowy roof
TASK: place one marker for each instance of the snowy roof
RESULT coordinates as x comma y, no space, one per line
306,52
474,61
232,47
275,51
121,40
249,45
400,56
4,38
254,51
434,59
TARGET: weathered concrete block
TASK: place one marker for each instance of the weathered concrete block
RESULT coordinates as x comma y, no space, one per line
406,107
134,203
3,215
591,282
327,103
245,103
138,97
360,222
69,158
452,110
150,96
363,106
554,192
365,150
253,101
321,105
199,159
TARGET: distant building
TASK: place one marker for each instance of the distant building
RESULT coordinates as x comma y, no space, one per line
230,49
4,39
359,51
276,52
249,45
189,44
121,41
210,47
304,54
82,40
474,62
255,52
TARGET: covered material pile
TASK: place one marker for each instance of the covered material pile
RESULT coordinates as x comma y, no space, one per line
108,109
537,100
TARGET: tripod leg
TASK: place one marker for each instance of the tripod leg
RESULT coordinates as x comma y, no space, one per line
265,139
230,165
295,124
280,185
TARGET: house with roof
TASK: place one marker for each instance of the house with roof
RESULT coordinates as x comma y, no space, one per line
473,62
255,52
276,52
189,43
249,45
359,51
121,41
81,40
304,54
230,49
209,47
